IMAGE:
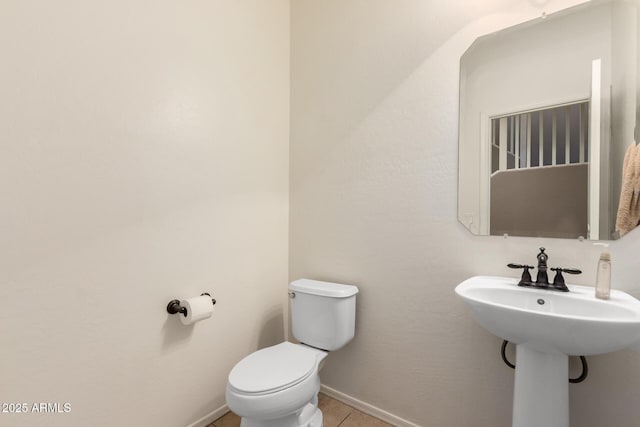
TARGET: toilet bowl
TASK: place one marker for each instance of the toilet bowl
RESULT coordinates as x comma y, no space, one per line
278,386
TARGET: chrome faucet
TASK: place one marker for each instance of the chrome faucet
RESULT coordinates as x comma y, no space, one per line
542,279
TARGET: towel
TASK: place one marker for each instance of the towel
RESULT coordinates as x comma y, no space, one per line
634,211
628,208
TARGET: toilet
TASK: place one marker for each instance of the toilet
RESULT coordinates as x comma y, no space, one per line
278,386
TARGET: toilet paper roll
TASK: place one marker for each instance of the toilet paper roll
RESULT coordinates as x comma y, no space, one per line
198,308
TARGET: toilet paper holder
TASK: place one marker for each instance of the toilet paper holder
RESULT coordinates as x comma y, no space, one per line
174,306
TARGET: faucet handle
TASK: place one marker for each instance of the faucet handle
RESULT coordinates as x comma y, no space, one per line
558,280
568,270
511,265
525,280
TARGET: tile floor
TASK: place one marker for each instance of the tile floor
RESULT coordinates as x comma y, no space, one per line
335,414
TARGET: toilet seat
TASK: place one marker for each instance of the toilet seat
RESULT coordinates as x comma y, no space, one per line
274,369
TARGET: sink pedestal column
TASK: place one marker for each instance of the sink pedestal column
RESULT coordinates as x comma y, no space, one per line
541,390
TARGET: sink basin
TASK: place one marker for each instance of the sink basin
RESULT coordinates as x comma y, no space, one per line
546,327
572,323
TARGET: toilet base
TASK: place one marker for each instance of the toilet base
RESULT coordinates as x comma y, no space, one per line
310,416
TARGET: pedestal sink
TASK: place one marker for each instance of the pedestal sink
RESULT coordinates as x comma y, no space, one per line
547,327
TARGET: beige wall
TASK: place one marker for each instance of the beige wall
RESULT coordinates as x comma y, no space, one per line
373,203
143,157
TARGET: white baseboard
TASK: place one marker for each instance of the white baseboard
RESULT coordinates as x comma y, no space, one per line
368,409
210,417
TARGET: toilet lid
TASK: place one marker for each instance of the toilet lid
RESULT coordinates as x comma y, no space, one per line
273,368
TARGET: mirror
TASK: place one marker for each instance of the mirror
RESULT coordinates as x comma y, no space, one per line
548,110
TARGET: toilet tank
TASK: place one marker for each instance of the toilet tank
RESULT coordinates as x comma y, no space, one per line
323,314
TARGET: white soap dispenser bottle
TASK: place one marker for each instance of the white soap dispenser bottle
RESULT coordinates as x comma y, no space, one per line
603,276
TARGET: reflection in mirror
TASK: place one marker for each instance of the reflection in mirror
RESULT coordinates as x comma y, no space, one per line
523,169
547,112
